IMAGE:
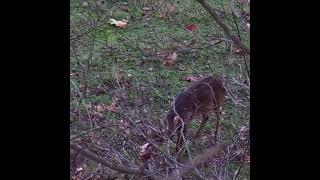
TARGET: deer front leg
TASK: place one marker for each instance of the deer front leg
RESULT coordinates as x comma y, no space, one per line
204,119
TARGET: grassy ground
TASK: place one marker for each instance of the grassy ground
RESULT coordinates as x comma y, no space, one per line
109,63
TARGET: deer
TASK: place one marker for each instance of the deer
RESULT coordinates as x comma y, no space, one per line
200,98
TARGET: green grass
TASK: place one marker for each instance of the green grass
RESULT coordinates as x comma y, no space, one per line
151,82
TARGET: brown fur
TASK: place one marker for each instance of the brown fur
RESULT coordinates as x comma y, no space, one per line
200,98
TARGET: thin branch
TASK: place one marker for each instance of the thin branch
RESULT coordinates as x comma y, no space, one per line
225,28
243,22
242,161
87,132
198,160
99,159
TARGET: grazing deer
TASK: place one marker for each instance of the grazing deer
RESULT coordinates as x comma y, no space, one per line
200,98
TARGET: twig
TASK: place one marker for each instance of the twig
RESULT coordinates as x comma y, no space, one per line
87,132
244,56
99,159
226,29
198,160
242,20
198,173
242,161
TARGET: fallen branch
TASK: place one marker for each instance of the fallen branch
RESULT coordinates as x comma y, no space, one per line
225,28
112,165
198,160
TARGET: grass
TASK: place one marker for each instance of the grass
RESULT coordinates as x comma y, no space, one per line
153,85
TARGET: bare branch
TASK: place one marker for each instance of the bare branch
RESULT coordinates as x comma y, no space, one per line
225,28
112,165
242,161
198,160
242,19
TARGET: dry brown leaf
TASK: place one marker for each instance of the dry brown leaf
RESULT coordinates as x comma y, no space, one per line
100,107
191,27
170,59
145,151
120,24
112,107
191,78
238,51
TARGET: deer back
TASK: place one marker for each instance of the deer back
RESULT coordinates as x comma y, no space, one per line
204,96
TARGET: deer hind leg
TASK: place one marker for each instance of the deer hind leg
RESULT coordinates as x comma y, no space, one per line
204,119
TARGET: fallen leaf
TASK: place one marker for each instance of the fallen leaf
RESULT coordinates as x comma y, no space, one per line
191,27
238,51
191,78
100,107
145,152
79,169
119,24
169,59
85,4
112,107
